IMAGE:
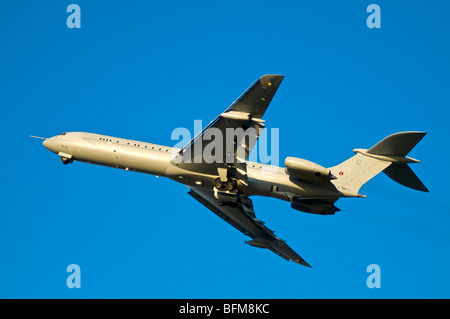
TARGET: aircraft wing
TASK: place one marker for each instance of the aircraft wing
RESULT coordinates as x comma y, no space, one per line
239,125
240,215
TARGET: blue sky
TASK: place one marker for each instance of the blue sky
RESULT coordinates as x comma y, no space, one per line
141,69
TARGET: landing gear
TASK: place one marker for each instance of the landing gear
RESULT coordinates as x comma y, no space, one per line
66,160
229,186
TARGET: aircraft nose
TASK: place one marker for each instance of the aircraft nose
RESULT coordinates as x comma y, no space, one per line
46,143
49,144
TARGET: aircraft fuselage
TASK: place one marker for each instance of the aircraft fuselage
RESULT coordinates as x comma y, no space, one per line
137,156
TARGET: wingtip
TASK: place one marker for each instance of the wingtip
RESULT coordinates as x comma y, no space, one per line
301,262
271,79
304,263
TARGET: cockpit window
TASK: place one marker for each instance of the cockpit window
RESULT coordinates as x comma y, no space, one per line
62,134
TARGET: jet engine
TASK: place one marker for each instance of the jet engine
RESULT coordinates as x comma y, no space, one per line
307,171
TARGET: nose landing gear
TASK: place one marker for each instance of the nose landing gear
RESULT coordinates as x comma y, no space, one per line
66,160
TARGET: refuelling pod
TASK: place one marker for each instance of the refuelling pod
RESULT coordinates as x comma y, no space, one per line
307,171
260,243
315,206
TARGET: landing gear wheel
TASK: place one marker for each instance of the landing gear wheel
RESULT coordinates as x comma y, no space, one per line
231,185
218,184
66,160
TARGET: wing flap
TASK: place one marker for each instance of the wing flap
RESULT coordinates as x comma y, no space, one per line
241,216
232,215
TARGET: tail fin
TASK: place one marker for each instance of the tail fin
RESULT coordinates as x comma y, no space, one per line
388,155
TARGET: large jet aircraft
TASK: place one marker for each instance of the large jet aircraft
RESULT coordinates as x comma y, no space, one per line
223,180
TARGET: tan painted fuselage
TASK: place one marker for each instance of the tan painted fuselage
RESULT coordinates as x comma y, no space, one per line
137,156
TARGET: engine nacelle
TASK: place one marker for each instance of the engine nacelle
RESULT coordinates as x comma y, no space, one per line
307,171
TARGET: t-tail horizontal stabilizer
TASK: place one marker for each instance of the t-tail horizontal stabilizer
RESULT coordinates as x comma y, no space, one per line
405,176
388,155
399,145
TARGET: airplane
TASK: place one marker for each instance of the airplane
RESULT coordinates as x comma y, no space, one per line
225,185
